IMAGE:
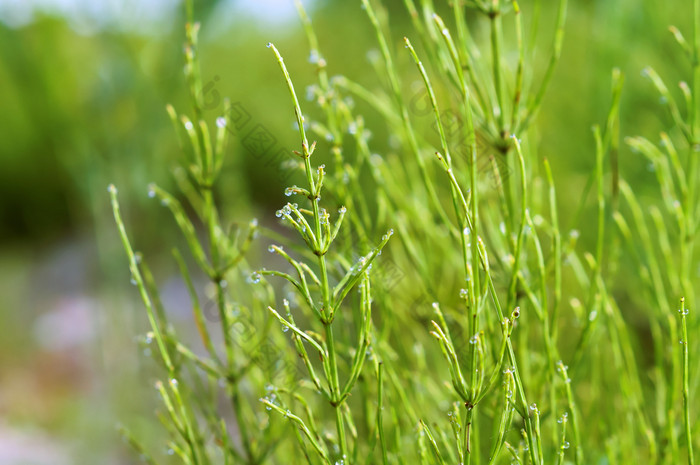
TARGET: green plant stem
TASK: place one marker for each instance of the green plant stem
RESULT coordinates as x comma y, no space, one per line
326,311
403,111
536,101
469,419
380,412
693,113
136,276
688,242
574,414
686,389
335,391
496,38
241,423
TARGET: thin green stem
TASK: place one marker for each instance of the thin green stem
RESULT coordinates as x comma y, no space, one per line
686,390
326,312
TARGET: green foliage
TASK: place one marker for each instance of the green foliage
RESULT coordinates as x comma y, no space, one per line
536,356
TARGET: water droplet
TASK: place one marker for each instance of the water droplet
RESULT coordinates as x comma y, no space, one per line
271,249
342,210
254,277
285,328
112,189
173,382
463,293
533,407
221,122
188,125
565,445
474,339
314,56
269,44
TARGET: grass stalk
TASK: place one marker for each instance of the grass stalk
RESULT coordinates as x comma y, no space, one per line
686,390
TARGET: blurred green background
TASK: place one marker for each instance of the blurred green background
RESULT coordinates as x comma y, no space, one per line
83,89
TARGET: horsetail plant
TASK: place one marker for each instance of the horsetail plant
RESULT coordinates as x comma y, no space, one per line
319,236
515,295
668,250
192,418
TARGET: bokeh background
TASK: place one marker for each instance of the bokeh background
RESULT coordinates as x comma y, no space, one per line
83,89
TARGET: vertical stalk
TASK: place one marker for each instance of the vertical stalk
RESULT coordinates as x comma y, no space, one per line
136,276
693,112
240,422
326,310
403,110
686,390
467,434
496,37
380,410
